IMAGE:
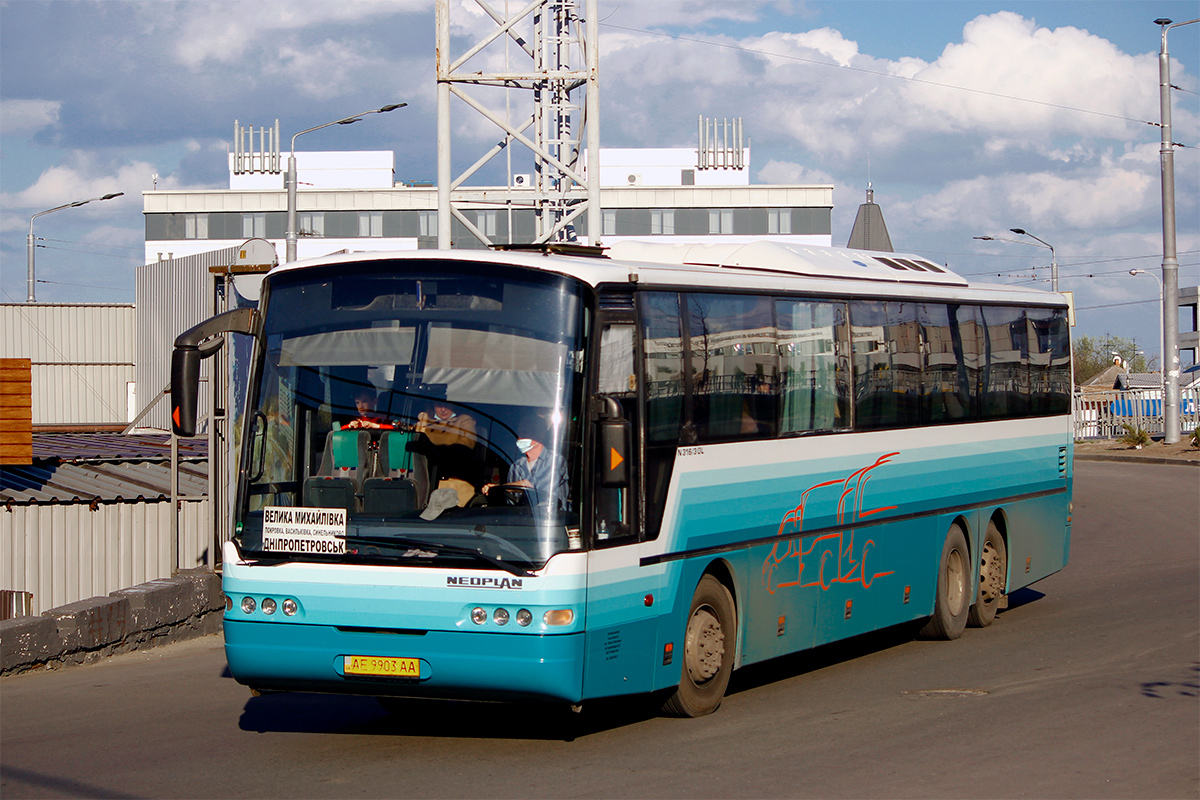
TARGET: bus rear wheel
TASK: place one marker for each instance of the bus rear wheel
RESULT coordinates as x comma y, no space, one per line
993,571
950,606
708,646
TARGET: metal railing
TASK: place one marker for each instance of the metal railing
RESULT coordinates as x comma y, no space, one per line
1104,415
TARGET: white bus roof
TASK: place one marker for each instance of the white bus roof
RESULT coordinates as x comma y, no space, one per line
758,266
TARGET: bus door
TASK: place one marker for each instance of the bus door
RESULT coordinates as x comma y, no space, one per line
620,628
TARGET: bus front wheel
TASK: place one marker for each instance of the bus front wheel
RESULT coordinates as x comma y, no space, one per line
952,601
993,572
708,647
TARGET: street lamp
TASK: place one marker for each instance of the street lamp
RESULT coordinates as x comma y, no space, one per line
1161,334
291,172
1053,258
1170,264
31,243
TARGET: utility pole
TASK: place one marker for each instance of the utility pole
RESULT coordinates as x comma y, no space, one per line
1170,263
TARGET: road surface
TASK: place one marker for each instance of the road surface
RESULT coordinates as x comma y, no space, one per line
1087,686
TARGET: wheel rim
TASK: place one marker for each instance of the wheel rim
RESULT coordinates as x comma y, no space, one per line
705,648
956,583
991,577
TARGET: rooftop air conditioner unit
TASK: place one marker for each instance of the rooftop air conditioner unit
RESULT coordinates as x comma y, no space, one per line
521,181
634,179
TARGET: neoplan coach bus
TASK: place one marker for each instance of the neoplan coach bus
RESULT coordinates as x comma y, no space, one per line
538,475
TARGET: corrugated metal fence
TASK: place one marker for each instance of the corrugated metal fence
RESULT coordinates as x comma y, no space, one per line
82,357
1103,415
173,295
63,553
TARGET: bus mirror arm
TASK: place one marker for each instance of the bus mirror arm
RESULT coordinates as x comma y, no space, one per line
191,347
610,408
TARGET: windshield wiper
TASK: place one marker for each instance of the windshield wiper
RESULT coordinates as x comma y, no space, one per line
440,548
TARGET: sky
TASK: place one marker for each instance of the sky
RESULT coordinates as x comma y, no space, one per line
968,118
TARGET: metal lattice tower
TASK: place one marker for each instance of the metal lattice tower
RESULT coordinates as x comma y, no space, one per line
563,57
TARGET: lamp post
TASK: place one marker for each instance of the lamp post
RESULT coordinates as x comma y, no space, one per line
290,237
1053,258
31,243
1162,337
1170,264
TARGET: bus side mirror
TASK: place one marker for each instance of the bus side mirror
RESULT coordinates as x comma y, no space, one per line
613,444
191,347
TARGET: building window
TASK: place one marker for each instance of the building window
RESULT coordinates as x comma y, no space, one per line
610,223
428,223
312,224
486,222
720,220
779,220
195,226
254,226
370,223
662,221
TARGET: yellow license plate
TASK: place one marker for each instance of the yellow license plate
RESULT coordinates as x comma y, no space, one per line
382,666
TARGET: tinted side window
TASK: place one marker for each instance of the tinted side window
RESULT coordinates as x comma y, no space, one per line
814,371
662,350
1006,390
950,387
1049,361
886,339
734,366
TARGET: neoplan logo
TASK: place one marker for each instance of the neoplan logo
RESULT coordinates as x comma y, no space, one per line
485,583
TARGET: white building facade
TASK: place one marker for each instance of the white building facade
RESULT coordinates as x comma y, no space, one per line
349,201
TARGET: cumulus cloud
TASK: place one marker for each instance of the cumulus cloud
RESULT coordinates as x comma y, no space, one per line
28,116
225,32
818,90
787,172
82,177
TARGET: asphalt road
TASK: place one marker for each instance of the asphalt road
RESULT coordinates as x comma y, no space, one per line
1086,687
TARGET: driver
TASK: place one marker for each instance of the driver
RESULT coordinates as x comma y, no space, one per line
541,472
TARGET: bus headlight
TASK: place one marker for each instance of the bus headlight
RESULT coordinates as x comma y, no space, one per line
268,606
289,607
478,615
500,616
248,605
524,617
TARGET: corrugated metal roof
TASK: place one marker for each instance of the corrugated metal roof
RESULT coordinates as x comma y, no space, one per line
77,447
104,468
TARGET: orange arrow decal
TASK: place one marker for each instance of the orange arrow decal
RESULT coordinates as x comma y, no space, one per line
615,458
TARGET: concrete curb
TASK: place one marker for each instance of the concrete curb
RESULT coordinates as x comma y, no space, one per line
1136,459
150,614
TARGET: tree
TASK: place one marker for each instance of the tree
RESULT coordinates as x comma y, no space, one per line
1094,354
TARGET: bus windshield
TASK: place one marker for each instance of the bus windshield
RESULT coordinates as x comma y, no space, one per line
419,413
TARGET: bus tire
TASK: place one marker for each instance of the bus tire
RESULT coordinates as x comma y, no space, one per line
952,601
708,647
993,572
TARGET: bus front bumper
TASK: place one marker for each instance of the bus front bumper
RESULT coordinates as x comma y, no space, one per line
298,657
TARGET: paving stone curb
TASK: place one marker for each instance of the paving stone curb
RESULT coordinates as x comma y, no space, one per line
1137,459
158,612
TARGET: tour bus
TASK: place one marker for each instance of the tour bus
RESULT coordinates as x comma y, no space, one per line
563,473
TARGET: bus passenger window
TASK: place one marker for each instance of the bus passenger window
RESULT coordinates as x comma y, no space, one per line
735,366
813,371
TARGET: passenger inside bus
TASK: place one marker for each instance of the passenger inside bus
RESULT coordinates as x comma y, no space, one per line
364,403
447,440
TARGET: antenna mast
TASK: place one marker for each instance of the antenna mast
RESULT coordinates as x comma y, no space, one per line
564,57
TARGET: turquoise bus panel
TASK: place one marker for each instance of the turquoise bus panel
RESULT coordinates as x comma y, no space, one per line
452,664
